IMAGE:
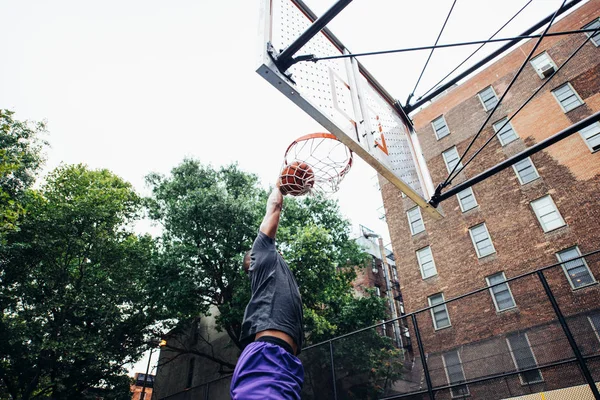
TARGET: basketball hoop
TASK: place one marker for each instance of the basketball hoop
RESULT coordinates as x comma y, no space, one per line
327,158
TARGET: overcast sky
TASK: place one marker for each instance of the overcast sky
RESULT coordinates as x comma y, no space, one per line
135,86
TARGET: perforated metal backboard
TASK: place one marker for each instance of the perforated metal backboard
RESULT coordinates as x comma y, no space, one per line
344,98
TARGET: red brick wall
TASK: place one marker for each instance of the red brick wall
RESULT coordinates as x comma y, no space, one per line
568,171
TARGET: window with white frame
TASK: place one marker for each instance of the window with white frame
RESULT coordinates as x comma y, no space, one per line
591,135
451,158
505,132
482,240
426,263
488,98
525,171
440,127
439,312
523,358
577,270
547,213
377,291
455,373
595,24
567,97
595,322
501,294
466,199
543,65
415,220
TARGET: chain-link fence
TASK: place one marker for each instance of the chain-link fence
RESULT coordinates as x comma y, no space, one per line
534,336
215,389
517,338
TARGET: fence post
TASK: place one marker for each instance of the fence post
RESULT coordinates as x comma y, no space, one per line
569,335
423,360
332,370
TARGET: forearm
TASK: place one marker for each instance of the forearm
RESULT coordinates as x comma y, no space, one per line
274,206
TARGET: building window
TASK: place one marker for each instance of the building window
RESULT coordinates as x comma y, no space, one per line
547,213
595,24
488,98
440,127
523,357
439,312
481,240
543,65
505,132
591,135
525,171
455,373
567,97
577,271
415,220
451,158
501,294
190,377
426,263
466,199
377,291
595,322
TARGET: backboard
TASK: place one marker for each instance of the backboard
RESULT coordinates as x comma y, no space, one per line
344,98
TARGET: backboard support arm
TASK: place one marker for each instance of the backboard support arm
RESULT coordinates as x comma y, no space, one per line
286,58
439,197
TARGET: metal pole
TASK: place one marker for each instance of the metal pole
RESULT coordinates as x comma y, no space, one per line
437,199
408,108
569,335
332,370
423,360
390,294
143,393
284,59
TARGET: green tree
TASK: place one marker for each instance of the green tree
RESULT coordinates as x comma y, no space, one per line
20,159
74,287
210,218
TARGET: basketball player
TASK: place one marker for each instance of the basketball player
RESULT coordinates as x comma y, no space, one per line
272,328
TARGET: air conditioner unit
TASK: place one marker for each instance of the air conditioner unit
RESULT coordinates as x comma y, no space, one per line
547,70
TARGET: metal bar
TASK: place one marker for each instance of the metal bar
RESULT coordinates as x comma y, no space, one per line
431,52
570,338
450,178
423,359
143,392
442,46
476,50
527,101
332,370
284,59
485,60
437,199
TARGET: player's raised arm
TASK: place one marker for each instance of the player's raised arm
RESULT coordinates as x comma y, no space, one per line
274,205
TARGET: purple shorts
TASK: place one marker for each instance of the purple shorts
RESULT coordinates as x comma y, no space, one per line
267,371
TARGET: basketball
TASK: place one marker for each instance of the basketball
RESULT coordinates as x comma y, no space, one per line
296,179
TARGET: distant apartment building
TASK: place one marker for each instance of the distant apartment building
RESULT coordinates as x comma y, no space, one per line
544,210
142,386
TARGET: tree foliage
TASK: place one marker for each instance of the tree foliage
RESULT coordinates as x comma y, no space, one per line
74,287
20,159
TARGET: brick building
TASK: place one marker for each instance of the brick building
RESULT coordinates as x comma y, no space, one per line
141,388
542,211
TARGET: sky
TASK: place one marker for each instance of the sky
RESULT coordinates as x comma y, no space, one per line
136,86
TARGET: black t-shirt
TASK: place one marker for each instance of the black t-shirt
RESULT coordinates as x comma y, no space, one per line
275,302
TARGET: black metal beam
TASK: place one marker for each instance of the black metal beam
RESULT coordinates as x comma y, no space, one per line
563,323
436,199
285,59
490,57
423,358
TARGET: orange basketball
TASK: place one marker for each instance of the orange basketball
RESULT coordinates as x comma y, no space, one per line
297,178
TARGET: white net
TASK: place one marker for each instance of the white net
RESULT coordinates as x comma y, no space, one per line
315,164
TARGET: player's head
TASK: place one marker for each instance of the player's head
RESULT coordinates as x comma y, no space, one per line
246,262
